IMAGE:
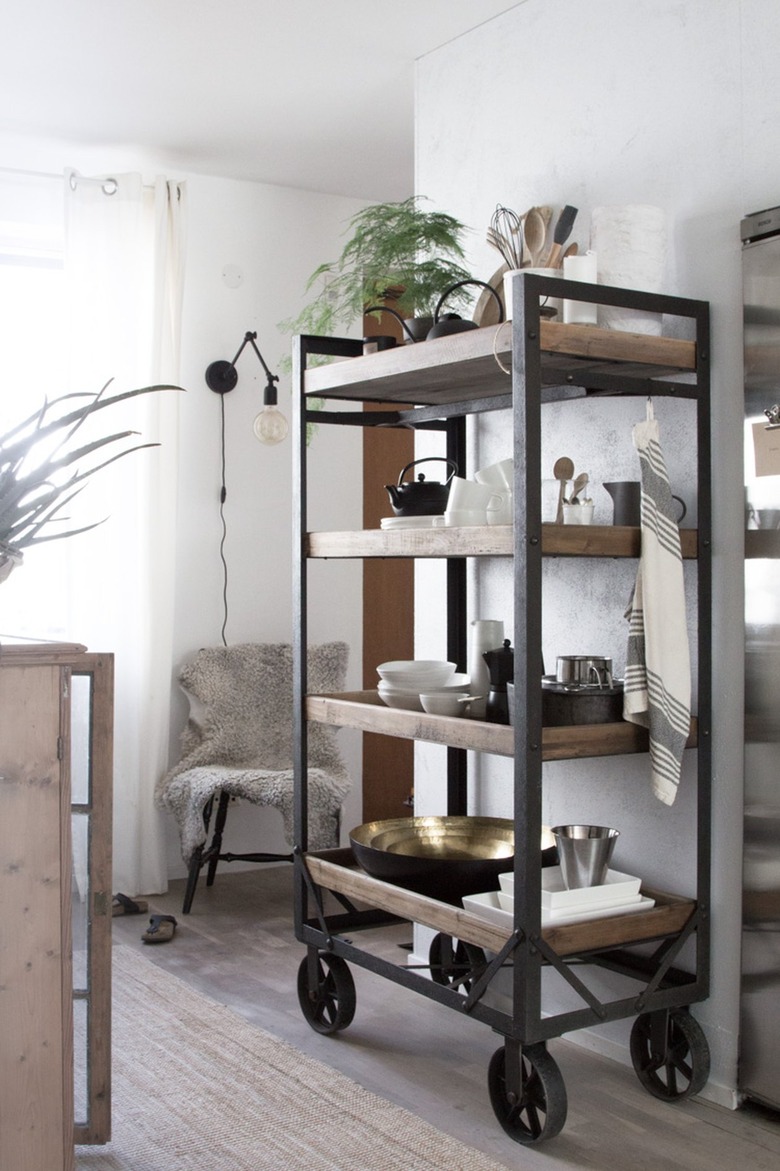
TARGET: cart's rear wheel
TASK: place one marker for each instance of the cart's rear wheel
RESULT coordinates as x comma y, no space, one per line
329,1004
539,1111
455,963
670,1054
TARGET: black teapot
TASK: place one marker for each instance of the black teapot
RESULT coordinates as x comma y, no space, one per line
421,497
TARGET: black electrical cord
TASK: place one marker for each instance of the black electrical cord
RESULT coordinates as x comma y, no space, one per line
222,498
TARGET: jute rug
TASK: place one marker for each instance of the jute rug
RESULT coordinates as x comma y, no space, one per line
197,1088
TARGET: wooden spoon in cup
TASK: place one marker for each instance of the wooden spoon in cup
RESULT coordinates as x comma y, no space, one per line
563,470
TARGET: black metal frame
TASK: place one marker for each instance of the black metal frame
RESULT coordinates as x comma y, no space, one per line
665,985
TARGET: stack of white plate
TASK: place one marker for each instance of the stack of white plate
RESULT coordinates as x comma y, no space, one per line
408,697
409,522
618,895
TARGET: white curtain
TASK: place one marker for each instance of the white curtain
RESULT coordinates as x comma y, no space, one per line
124,254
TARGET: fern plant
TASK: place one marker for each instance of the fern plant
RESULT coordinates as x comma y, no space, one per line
397,253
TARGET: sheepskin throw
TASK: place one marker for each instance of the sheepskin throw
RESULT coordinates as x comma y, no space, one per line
239,739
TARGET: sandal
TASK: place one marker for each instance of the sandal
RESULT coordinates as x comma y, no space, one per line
160,929
122,905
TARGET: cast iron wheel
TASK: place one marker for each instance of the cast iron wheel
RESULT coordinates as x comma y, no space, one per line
468,962
675,1066
540,1111
330,1006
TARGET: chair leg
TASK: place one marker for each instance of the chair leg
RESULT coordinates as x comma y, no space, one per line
216,841
197,860
192,880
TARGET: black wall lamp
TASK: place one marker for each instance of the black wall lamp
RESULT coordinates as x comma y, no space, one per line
270,426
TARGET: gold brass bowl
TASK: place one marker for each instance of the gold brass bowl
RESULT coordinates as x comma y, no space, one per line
445,857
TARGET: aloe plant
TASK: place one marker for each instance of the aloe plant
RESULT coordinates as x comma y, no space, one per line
33,489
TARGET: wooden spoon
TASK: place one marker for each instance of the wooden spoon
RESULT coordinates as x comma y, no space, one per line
579,483
563,470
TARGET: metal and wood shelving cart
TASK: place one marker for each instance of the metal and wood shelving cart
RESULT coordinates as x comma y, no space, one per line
445,380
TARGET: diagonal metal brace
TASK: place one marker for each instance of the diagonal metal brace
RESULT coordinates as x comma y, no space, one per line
666,954
480,985
314,892
569,976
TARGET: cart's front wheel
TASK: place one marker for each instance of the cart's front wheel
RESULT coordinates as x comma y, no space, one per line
328,1002
455,963
670,1054
536,1109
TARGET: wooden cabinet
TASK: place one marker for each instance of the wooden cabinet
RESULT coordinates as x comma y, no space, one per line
47,757
519,369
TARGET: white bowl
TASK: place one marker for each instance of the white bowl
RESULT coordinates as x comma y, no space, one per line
460,681
408,700
417,673
444,703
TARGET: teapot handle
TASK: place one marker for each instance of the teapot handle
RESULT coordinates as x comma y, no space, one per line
459,285
428,459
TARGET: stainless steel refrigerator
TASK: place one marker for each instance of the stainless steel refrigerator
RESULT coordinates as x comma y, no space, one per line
759,1066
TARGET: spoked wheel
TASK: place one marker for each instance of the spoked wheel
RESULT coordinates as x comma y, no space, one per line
329,1004
454,963
670,1054
538,1112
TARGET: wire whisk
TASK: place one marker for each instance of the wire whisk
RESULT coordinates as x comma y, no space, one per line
505,234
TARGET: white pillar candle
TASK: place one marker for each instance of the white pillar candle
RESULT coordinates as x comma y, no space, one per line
580,268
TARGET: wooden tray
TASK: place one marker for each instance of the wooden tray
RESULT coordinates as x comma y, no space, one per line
336,870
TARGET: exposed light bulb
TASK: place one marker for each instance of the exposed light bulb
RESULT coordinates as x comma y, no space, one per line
270,426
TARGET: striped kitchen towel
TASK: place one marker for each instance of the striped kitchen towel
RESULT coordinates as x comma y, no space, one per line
657,684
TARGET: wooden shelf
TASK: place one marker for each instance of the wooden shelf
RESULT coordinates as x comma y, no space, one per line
762,544
336,870
487,541
365,711
464,366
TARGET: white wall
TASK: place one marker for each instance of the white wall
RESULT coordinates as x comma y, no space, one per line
274,237
663,102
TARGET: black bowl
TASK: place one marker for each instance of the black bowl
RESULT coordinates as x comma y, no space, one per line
444,857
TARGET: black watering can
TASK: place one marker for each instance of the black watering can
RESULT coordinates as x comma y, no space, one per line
451,322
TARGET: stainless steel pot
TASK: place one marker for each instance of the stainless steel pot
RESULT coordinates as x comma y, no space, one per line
584,670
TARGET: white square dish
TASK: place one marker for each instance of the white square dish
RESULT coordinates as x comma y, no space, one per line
555,894
563,917
489,906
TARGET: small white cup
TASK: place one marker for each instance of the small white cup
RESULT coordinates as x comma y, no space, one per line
509,277
499,475
499,509
578,514
468,494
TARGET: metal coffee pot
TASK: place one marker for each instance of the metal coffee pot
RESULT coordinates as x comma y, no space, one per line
501,669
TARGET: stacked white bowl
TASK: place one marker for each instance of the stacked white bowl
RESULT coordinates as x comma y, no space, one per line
403,681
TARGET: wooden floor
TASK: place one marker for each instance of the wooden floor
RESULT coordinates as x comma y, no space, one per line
237,946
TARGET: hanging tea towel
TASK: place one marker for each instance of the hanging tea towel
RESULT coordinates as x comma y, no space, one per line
657,685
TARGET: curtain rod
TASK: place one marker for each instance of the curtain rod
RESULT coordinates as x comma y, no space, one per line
108,184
